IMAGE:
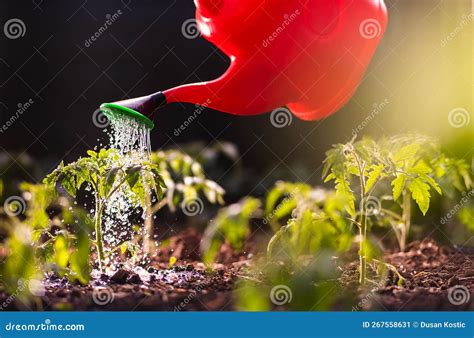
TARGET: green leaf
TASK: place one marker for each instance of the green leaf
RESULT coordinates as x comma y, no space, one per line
398,185
110,179
67,183
421,168
343,189
406,153
432,183
133,174
373,176
420,192
61,252
330,177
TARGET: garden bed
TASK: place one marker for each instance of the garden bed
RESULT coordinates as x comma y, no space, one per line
429,271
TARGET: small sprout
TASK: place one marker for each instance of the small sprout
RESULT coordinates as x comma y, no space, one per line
172,262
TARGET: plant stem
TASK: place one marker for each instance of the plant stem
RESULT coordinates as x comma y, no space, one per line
406,219
150,210
98,234
363,236
363,222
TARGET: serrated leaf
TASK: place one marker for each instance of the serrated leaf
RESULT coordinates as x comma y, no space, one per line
432,183
398,185
420,192
373,176
406,153
353,170
344,190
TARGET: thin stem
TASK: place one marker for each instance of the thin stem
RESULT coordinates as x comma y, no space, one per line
98,233
363,236
363,222
391,213
406,219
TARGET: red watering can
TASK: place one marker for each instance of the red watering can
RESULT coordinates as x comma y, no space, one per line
309,55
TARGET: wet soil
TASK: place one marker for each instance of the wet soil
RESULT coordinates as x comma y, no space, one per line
434,278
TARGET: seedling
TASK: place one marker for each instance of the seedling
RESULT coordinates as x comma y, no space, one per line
104,173
232,224
411,164
414,165
344,162
185,180
282,199
318,221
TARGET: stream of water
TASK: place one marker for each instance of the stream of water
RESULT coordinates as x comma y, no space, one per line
132,139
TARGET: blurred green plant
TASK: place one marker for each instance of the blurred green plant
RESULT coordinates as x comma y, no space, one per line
272,286
184,181
283,198
31,251
318,222
39,197
466,216
105,174
232,225
19,266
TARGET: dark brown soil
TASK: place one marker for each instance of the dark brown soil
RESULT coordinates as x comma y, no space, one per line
435,278
187,286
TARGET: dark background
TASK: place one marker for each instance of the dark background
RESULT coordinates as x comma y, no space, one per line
145,51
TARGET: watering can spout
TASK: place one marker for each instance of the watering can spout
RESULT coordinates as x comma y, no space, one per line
140,108
144,108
